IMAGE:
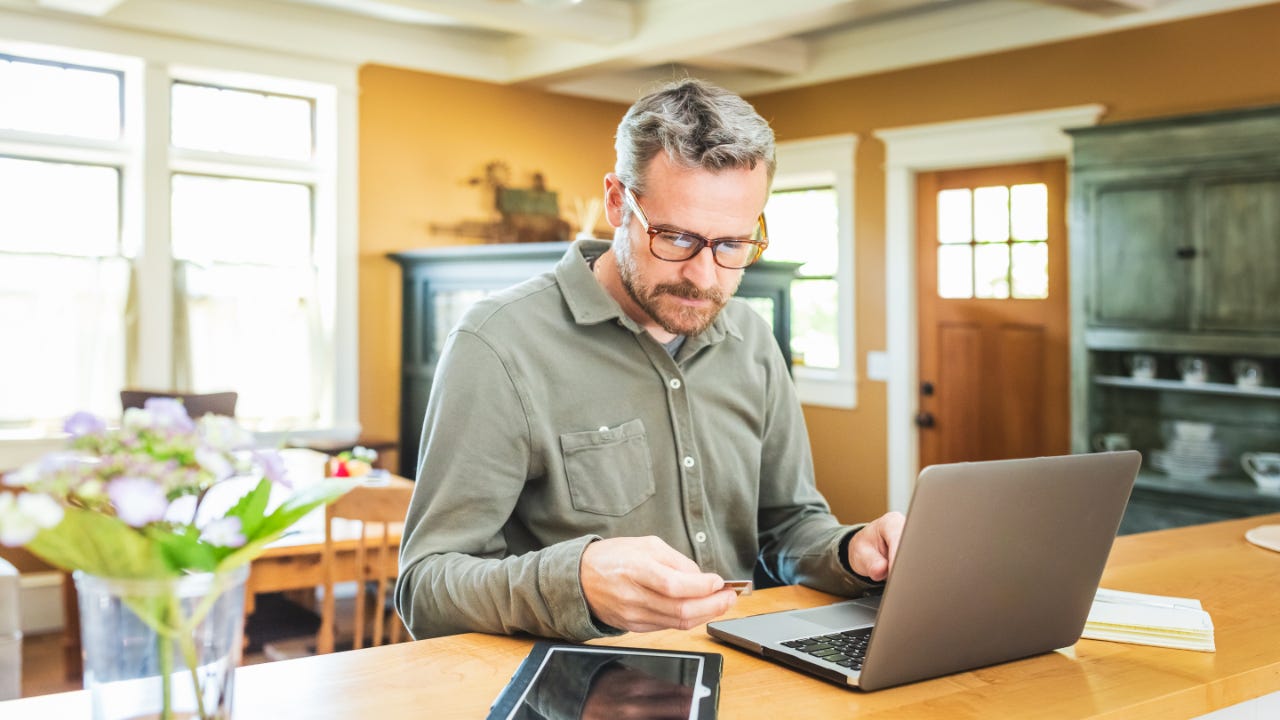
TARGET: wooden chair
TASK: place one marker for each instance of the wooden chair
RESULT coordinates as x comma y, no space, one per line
371,505
197,404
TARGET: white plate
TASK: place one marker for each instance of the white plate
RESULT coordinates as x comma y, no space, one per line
1267,536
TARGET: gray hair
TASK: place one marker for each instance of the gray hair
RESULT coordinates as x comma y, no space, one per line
698,125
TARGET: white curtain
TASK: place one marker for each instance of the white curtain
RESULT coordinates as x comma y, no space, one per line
62,320
256,330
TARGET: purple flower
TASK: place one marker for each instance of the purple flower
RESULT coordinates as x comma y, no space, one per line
169,413
224,532
137,500
273,467
83,423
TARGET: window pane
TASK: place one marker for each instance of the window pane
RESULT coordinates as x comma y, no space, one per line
234,221
251,331
763,306
991,214
1029,208
955,216
991,271
56,100
69,315
955,271
1031,270
242,122
48,207
814,340
803,228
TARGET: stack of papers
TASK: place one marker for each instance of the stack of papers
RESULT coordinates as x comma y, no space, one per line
1149,620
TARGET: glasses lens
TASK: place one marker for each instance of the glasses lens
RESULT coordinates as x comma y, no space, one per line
736,254
669,245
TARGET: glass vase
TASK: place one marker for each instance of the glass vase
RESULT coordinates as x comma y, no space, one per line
165,648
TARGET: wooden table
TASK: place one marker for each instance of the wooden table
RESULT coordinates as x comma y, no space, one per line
457,677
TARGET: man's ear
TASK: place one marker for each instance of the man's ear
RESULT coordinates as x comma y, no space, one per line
613,200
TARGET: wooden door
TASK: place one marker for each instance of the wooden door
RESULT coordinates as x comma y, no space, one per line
994,338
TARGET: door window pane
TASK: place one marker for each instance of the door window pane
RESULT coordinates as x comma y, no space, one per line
1029,211
1031,270
991,214
56,99
59,208
991,271
241,221
242,122
955,216
955,271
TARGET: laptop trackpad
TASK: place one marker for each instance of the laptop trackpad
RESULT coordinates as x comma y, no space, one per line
841,616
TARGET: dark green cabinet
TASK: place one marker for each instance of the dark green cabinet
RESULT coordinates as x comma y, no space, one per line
441,283
1175,254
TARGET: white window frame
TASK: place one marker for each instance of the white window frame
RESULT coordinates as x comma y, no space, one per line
828,161
150,64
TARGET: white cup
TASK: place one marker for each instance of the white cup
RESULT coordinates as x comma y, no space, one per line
1106,442
1194,369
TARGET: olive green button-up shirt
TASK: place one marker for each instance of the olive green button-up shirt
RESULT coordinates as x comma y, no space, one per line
555,420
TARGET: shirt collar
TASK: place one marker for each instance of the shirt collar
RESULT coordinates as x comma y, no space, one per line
591,304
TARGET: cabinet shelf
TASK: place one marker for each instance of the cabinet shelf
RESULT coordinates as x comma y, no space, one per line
1210,388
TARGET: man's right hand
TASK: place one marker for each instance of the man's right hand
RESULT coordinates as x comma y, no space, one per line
643,584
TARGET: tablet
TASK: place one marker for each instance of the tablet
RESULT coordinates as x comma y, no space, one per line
564,681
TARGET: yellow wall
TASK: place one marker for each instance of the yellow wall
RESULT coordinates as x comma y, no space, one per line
1222,61
421,137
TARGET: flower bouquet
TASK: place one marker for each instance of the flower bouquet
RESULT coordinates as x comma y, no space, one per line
160,565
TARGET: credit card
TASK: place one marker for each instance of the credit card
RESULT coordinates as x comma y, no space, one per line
742,587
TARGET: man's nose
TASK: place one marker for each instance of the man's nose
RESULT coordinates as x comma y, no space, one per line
701,268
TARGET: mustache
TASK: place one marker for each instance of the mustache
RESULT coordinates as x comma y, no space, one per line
690,291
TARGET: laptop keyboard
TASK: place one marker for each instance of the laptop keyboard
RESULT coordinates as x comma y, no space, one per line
846,649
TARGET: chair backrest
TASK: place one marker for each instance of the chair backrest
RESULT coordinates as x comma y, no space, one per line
376,507
197,404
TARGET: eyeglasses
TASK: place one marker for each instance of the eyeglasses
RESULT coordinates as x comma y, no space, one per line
674,245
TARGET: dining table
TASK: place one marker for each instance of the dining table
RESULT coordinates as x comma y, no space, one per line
459,676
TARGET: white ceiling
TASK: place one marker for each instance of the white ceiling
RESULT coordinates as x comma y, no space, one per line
613,49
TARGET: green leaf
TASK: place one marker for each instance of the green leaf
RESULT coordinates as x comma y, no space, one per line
251,509
289,512
182,549
100,545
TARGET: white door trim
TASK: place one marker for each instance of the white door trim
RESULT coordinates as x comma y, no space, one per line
996,140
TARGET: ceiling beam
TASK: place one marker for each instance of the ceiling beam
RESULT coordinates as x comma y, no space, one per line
668,29
784,56
597,21
94,8
1106,8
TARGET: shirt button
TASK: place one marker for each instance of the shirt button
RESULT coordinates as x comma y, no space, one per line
688,461
674,383
700,537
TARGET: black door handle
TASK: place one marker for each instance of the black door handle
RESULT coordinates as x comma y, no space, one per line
1186,253
924,420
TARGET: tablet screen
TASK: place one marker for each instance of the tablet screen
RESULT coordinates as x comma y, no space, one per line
601,682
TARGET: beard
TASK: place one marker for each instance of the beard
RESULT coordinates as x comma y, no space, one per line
656,300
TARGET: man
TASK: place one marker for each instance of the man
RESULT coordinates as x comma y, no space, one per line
606,444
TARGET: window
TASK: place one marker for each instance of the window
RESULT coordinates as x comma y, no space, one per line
65,279
228,281
810,222
992,242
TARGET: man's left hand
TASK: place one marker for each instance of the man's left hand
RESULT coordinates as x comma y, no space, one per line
871,550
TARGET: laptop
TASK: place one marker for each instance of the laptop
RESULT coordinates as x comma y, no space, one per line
998,560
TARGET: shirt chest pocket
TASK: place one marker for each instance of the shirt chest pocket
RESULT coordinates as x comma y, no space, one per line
609,470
